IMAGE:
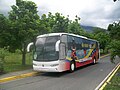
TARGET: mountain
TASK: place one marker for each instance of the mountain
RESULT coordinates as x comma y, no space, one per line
87,28
91,28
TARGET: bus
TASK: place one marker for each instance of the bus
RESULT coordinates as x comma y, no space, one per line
58,52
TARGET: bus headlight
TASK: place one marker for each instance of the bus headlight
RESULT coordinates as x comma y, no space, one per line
53,65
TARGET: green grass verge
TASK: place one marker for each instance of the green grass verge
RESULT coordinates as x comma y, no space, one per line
114,84
13,62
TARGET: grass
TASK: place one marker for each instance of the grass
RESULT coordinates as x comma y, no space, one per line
114,84
13,62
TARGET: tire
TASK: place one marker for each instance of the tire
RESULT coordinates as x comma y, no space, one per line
72,66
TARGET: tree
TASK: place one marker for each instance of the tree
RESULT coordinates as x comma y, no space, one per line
24,24
114,0
44,26
114,32
103,39
60,23
114,49
74,27
54,23
4,34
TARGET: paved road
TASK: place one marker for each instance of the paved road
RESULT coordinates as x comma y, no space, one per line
84,78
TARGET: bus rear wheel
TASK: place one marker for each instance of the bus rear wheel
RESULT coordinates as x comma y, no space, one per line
72,66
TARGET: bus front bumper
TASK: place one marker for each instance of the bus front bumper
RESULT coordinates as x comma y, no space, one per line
45,69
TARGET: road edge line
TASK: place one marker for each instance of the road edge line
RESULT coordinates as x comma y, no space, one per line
106,80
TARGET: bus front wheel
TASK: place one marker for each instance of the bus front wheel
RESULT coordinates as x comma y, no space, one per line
94,61
72,66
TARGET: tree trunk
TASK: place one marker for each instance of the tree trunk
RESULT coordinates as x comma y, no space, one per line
24,54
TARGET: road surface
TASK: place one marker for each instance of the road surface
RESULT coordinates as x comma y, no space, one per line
84,78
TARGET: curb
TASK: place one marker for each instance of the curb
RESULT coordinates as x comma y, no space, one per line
26,75
102,85
18,77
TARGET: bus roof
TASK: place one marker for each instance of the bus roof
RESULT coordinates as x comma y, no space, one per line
60,34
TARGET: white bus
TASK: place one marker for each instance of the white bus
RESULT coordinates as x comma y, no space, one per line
58,52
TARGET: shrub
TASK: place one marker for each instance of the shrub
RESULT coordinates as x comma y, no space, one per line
3,53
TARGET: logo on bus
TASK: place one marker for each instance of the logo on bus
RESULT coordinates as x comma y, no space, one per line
42,65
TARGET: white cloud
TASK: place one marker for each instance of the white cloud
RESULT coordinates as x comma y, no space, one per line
92,12
5,6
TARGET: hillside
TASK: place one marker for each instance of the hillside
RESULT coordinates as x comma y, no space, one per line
89,28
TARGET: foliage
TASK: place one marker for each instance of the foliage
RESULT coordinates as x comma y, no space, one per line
114,32
97,30
61,23
54,23
4,28
74,27
3,53
103,39
114,83
13,62
114,48
114,0
44,26
24,24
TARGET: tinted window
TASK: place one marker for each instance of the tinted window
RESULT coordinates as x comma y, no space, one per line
45,49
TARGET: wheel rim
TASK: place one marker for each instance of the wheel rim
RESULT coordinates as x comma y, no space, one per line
94,61
72,67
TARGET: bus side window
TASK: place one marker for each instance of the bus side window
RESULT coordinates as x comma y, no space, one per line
73,43
77,43
64,38
70,40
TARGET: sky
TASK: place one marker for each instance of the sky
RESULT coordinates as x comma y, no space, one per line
98,13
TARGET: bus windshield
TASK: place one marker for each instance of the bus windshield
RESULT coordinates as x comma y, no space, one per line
45,49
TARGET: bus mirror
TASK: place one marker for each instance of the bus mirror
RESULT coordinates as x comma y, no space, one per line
28,47
57,45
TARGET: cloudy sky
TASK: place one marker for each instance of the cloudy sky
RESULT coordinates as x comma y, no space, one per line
92,12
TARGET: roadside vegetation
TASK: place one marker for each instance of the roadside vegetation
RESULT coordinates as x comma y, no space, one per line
11,62
23,24
114,84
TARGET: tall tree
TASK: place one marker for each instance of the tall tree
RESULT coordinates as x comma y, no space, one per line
61,23
54,23
103,39
24,24
44,26
4,31
114,32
